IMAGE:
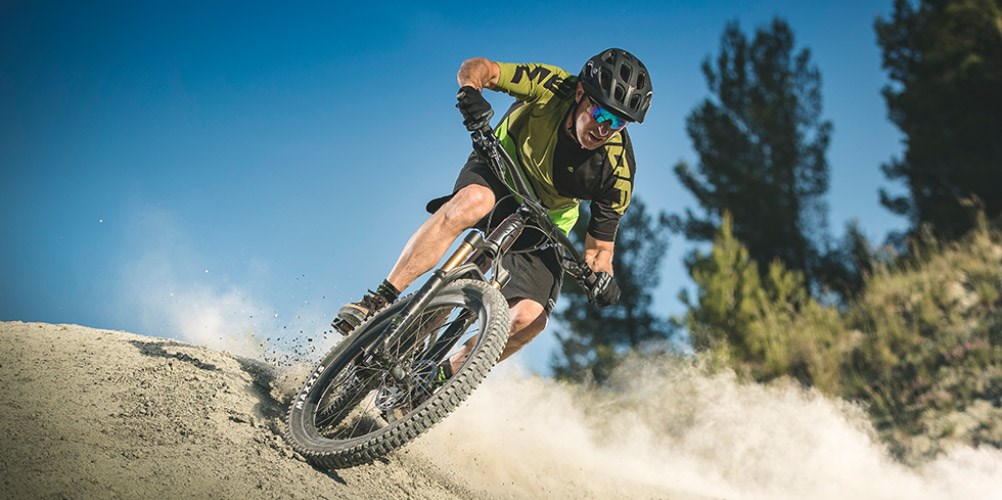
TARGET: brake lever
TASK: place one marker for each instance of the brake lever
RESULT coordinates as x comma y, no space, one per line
582,274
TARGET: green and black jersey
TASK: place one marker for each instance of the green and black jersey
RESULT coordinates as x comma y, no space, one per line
560,172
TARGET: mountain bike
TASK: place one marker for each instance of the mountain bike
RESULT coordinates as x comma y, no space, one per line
379,388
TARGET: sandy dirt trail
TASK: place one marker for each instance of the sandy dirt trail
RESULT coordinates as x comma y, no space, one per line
100,414
88,413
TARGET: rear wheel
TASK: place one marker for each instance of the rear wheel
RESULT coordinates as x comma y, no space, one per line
368,396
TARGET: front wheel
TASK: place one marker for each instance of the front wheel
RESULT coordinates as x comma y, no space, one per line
371,395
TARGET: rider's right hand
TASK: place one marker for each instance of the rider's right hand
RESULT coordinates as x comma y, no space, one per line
605,291
476,110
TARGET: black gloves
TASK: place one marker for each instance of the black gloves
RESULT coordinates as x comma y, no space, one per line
476,110
605,291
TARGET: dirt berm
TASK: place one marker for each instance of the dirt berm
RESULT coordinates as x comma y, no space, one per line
88,413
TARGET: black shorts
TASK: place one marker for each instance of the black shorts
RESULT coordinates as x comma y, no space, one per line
535,273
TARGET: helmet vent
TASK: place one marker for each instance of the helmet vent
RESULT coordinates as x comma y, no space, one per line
620,94
641,80
635,101
624,73
605,79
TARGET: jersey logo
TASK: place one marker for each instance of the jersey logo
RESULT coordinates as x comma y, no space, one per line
538,74
621,174
565,89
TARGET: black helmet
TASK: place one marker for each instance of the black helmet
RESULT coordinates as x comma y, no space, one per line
618,81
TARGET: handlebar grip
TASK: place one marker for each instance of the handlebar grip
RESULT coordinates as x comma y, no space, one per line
588,278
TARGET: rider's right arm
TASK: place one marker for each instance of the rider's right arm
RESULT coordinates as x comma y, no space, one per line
478,73
598,254
530,81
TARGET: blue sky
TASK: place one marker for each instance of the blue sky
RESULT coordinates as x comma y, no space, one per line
209,169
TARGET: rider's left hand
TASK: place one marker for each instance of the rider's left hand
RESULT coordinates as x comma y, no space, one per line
476,110
605,292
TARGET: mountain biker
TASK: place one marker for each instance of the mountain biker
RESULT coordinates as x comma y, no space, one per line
568,135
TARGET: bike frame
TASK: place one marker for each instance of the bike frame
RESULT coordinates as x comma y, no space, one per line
476,255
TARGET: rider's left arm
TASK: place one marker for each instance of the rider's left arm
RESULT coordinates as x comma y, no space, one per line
598,254
479,73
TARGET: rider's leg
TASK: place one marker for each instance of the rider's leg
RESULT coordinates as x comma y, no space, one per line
424,249
528,319
536,278
430,242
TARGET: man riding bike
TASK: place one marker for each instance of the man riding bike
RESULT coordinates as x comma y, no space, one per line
568,135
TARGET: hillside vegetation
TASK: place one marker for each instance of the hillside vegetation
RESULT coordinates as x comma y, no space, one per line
920,347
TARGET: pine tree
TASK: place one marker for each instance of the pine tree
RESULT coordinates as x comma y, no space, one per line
761,144
728,297
763,325
945,62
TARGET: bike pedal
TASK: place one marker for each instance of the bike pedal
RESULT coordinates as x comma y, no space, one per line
342,326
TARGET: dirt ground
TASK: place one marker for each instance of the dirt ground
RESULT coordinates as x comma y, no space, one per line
88,413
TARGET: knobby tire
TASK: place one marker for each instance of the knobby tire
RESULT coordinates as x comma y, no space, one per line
342,384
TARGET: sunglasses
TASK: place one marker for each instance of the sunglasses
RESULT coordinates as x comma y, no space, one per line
602,115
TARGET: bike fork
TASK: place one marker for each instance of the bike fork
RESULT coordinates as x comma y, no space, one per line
403,321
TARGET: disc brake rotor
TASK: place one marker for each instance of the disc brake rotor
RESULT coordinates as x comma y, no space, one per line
415,387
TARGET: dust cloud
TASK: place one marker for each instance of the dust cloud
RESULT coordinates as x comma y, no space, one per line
668,427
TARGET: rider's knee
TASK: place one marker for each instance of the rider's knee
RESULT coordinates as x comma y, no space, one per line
469,205
529,317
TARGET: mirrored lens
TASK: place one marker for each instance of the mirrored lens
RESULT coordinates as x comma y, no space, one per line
602,115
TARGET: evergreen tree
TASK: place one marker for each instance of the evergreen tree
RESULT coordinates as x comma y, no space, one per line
844,268
945,62
728,297
593,340
763,325
761,144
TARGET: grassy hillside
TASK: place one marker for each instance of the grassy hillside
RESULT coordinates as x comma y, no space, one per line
921,348
929,355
